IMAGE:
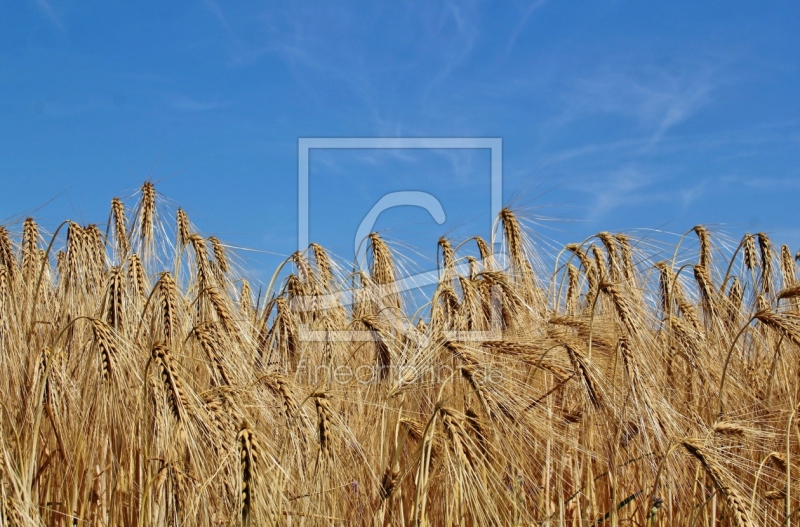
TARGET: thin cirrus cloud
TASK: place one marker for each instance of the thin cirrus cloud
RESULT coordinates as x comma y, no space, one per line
635,186
523,22
425,45
647,111
187,104
48,12
655,99
629,186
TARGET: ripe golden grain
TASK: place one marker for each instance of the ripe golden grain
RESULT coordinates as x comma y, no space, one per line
150,382
736,502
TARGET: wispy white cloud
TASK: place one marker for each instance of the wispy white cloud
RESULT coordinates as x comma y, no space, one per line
188,104
52,16
523,22
655,98
242,52
331,52
633,186
453,46
59,109
762,184
626,186
219,14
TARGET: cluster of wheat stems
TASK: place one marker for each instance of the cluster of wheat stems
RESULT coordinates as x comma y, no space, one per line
143,382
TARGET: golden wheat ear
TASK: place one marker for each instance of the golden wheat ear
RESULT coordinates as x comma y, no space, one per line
324,425
220,255
612,252
183,228
766,254
177,401
120,223
115,303
168,296
704,237
749,254
785,324
737,504
7,259
249,455
626,251
146,214
383,272
448,263
520,268
30,245
108,350
788,267
137,278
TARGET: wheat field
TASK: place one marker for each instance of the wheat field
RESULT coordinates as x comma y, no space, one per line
617,381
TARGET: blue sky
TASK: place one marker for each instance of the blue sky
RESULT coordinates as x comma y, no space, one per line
614,115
